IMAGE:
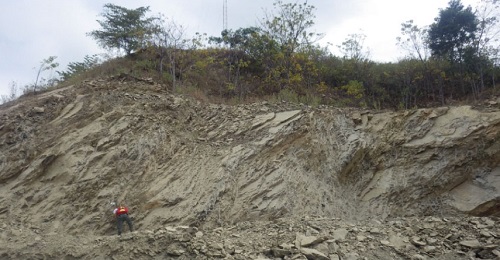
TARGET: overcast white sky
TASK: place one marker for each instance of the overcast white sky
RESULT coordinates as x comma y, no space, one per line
32,30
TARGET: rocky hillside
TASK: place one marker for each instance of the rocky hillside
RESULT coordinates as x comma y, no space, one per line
211,170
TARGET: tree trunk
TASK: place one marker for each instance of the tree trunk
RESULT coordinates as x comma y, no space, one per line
441,91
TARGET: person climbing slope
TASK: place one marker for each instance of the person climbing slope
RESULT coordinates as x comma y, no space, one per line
121,215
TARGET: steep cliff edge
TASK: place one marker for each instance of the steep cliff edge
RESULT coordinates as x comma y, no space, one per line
66,154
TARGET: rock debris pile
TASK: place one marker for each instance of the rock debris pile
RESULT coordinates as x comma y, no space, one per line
309,238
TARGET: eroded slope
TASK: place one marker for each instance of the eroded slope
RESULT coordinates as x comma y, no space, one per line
66,154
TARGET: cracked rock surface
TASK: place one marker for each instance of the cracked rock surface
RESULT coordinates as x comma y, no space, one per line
262,180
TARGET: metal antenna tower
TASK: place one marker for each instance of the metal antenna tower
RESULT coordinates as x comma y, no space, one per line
224,15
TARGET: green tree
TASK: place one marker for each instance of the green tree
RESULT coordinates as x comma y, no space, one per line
239,39
355,91
453,32
123,29
413,40
45,64
243,48
289,27
168,39
75,68
488,37
417,83
353,48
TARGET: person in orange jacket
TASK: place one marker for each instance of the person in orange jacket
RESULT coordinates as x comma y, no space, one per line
121,215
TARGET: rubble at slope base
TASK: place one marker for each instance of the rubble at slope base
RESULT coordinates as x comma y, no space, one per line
309,238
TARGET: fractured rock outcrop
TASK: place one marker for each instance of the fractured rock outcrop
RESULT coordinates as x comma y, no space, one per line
176,161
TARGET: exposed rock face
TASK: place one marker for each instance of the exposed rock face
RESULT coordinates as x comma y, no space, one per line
65,155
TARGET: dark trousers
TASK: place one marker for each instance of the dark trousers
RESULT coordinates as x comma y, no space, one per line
119,222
